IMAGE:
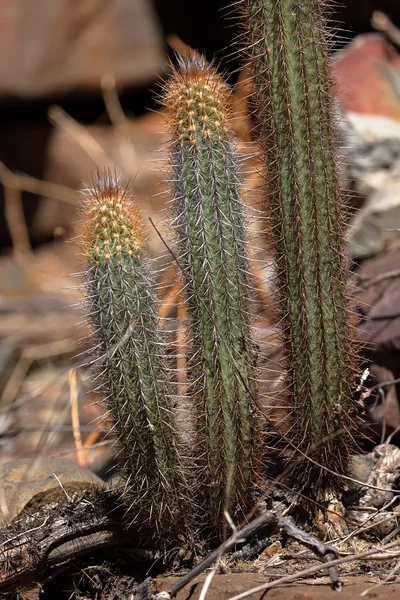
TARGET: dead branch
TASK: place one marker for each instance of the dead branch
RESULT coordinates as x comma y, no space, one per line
312,570
32,547
271,521
27,183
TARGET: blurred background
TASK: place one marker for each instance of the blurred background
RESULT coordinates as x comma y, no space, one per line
66,52
78,90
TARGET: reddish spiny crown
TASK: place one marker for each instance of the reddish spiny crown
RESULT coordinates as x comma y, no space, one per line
111,227
197,100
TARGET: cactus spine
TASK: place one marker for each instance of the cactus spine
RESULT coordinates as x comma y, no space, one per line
210,231
288,57
125,322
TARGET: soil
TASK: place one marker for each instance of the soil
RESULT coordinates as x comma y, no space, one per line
224,587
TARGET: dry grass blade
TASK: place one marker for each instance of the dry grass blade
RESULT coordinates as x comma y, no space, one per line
36,186
128,155
15,219
80,134
73,395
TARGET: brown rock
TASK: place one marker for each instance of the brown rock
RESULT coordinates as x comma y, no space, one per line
380,302
364,73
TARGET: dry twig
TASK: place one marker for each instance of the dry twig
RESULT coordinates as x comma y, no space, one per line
31,548
270,521
16,223
127,154
312,570
36,186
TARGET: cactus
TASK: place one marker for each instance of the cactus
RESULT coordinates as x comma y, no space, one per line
125,322
209,225
295,120
288,59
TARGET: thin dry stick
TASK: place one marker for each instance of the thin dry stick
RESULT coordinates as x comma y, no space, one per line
68,452
268,520
208,580
73,395
21,368
384,556
91,440
311,571
15,380
36,186
210,576
128,156
15,219
177,45
381,583
111,100
49,349
57,191
385,383
31,395
60,415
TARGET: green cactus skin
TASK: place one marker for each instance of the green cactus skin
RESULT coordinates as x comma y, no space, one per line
287,51
210,229
124,319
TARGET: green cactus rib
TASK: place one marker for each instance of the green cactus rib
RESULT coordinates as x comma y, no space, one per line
210,229
125,321
294,112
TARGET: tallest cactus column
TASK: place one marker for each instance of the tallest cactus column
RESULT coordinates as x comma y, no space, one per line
292,97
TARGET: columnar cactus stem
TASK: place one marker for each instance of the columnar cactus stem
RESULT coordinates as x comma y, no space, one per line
295,117
210,228
125,322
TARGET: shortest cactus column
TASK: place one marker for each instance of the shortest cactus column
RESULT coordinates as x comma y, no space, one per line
125,323
210,229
